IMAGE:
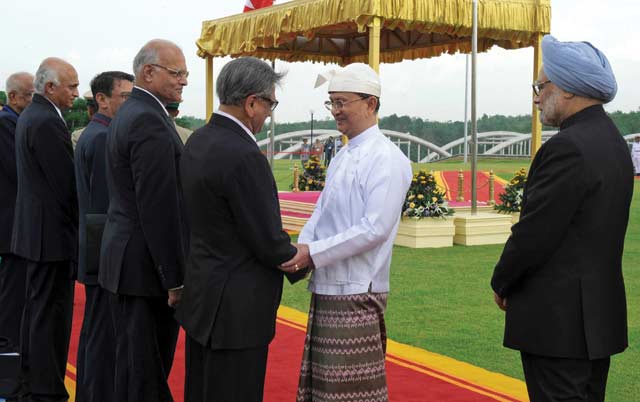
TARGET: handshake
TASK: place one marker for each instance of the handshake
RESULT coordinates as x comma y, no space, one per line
301,262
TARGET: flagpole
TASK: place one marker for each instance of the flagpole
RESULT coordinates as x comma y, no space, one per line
474,122
272,132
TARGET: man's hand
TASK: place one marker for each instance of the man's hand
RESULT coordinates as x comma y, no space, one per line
174,297
302,259
502,303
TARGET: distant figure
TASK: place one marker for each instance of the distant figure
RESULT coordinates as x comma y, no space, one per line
13,268
145,237
635,155
174,110
317,149
91,110
328,150
559,278
45,229
96,346
305,150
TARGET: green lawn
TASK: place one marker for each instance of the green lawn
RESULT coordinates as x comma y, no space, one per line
441,299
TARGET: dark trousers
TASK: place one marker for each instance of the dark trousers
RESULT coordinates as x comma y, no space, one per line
96,349
46,329
146,336
551,379
224,375
13,278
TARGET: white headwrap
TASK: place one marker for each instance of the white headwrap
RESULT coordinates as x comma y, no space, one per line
356,77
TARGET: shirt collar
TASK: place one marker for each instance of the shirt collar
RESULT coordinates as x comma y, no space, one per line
101,119
363,136
10,110
154,97
54,105
241,124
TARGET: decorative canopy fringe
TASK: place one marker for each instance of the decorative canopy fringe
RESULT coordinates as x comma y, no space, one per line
334,31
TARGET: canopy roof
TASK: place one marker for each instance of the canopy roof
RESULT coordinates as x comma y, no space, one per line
335,31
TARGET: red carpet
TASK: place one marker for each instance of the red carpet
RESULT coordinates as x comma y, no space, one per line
409,380
482,183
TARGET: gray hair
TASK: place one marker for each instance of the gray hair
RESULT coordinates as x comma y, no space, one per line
14,83
150,54
46,73
243,77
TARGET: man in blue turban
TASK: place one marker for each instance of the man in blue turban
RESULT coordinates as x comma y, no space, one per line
559,278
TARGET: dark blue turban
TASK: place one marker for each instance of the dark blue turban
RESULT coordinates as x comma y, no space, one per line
578,68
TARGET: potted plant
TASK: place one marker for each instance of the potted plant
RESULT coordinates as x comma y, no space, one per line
511,199
424,213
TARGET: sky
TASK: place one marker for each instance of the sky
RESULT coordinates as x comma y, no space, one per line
101,36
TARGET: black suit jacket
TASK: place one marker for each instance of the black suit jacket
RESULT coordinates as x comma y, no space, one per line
145,236
8,178
93,196
45,225
561,269
232,285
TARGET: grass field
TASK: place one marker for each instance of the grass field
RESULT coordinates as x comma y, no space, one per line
441,300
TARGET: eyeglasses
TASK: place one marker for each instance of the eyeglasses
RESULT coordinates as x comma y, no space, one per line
175,73
273,104
538,87
338,105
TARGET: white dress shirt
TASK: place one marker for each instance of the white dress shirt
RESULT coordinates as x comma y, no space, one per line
241,124
351,231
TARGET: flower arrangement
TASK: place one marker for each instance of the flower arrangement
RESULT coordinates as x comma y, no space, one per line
511,199
424,199
313,176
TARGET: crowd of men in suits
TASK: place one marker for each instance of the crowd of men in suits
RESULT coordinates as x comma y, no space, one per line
163,235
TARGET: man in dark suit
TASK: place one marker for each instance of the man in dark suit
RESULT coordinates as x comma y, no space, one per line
560,275
45,229
232,284
145,236
96,348
13,269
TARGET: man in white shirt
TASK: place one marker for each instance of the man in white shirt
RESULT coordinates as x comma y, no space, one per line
348,241
635,155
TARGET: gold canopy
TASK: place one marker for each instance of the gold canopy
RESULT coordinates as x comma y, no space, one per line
373,31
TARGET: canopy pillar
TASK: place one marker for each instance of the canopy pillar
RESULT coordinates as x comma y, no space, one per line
536,126
374,44
209,86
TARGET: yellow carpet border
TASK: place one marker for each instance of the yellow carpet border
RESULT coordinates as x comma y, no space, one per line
486,379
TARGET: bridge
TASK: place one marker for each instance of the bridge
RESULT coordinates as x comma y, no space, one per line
492,143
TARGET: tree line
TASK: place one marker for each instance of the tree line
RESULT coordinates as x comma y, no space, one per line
436,132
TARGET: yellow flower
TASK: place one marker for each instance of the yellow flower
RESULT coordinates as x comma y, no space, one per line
412,205
422,178
423,182
411,197
420,196
415,180
434,199
310,181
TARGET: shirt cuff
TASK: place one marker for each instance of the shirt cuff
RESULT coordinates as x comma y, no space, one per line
178,288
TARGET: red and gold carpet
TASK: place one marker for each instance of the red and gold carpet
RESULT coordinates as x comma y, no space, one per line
413,375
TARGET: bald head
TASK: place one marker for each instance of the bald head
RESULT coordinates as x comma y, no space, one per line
58,81
161,69
19,91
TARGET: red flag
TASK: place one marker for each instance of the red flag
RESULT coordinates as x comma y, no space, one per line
256,4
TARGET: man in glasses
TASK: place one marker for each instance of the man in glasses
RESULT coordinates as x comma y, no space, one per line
559,278
232,283
12,267
96,348
348,240
145,236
